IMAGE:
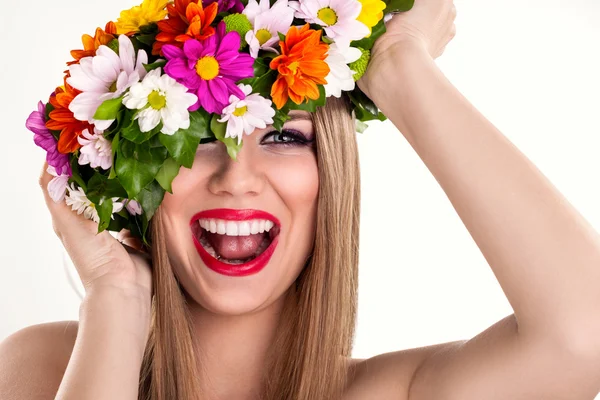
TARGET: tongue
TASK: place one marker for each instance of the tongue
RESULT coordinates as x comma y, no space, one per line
235,247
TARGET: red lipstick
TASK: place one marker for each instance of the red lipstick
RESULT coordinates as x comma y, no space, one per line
235,270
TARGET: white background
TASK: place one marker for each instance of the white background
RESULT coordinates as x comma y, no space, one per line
531,67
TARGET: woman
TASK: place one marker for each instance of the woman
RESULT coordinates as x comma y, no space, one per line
286,332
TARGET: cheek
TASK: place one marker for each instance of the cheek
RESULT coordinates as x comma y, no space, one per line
296,182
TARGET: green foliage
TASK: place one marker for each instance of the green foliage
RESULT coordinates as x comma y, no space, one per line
219,129
109,109
138,164
364,108
150,198
100,187
167,173
134,134
398,5
104,209
154,65
182,145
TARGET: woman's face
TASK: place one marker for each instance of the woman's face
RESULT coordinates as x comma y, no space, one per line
217,218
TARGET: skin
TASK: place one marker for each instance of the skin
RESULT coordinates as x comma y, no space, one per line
244,312
543,253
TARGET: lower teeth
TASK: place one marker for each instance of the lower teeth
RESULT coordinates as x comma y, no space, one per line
263,246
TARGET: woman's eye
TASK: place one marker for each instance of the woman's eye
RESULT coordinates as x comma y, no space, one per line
285,137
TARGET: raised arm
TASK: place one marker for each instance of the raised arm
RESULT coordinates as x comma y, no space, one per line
114,323
545,256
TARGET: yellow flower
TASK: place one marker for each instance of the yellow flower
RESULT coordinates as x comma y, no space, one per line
372,13
149,11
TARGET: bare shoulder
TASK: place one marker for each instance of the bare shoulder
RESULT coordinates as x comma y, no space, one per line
33,360
388,376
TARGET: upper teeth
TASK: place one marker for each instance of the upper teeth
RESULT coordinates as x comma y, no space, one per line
236,228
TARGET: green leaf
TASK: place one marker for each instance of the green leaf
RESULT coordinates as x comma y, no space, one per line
115,145
104,210
261,67
150,198
262,84
183,144
220,129
137,165
167,173
155,65
281,36
398,5
281,116
118,223
109,109
76,175
364,108
134,133
147,39
100,188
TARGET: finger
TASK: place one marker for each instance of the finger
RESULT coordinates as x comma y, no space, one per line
77,233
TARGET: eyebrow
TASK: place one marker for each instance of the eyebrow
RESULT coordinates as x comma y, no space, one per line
300,117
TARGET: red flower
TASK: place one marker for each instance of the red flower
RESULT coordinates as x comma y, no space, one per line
301,67
91,44
187,19
62,119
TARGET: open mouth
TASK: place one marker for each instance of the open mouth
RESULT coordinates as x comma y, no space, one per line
235,246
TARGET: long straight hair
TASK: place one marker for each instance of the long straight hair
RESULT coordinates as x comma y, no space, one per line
309,357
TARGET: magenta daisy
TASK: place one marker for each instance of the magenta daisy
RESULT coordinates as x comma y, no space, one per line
233,6
36,123
210,68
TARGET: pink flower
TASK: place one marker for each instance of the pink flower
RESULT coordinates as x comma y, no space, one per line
133,207
233,6
210,68
95,150
36,123
57,187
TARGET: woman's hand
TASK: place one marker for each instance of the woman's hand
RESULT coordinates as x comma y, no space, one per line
100,260
429,26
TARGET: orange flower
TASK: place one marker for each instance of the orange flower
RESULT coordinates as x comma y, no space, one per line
91,44
62,119
187,19
301,67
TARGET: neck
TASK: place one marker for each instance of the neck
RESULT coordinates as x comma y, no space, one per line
233,350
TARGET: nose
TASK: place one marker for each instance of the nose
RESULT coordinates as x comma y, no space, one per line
238,178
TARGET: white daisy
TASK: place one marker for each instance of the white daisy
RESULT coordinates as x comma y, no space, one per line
244,116
96,150
341,77
339,17
267,23
57,187
103,77
160,98
79,202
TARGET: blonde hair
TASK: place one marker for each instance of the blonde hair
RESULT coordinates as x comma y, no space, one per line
309,358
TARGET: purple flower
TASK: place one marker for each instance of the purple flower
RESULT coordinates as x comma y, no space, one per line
210,68
36,123
233,6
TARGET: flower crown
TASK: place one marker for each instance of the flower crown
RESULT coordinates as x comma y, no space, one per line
147,90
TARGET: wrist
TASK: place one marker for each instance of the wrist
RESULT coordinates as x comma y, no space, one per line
122,310
393,63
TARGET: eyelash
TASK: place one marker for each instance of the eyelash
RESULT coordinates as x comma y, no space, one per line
298,139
